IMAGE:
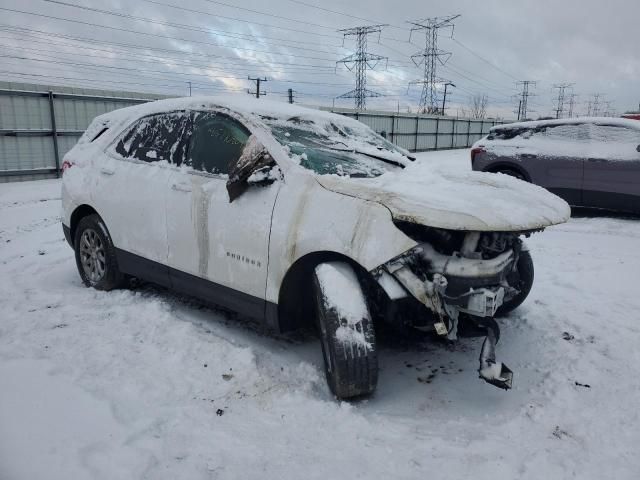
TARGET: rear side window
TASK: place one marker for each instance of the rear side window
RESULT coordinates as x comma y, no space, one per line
509,133
615,134
216,142
575,132
570,132
155,138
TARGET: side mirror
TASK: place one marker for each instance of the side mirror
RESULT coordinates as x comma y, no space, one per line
265,176
254,167
638,148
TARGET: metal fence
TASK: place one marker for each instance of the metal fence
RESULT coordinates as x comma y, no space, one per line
418,133
39,124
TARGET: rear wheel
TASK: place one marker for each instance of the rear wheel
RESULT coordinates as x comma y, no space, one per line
95,254
346,331
522,280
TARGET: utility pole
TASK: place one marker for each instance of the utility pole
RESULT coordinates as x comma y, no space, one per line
594,105
561,96
258,81
609,110
429,58
290,95
361,61
189,88
572,103
444,99
524,97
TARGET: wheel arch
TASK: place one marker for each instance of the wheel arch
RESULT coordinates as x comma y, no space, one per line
498,166
295,297
78,214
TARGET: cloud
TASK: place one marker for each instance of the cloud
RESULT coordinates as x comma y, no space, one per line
215,45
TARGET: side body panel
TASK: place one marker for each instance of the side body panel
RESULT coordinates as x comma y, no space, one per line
612,170
217,240
548,161
308,218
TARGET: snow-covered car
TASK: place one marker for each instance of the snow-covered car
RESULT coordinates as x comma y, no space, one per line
297,217
590,162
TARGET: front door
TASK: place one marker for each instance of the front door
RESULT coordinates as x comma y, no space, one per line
612,170
218,249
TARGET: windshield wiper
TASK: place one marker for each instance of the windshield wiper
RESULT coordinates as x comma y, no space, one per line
377,157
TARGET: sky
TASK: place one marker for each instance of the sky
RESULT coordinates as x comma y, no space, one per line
170,46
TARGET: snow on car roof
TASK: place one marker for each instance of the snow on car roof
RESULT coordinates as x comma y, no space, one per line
248,107
618,122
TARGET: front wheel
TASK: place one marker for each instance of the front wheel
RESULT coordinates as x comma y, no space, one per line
520,279
95,255
346,331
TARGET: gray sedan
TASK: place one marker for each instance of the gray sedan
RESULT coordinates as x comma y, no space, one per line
590,162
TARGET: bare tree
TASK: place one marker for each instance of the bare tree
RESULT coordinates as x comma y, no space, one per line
478,106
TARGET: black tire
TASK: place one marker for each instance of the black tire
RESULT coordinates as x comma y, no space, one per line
521,279
351,367
105,274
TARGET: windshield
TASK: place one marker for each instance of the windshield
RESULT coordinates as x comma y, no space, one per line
329,148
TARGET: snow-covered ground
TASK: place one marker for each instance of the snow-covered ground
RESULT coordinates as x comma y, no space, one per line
146,384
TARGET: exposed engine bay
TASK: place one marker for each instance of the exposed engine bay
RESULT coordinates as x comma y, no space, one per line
460,279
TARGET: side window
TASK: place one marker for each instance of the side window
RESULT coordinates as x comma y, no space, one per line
155,138
570,132
216,142
614,134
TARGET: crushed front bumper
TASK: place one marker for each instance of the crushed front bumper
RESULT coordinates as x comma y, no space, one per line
451,285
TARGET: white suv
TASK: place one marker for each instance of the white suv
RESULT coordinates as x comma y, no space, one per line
298,217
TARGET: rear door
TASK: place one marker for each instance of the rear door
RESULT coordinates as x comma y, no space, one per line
218,249
612,171
131,192
554,157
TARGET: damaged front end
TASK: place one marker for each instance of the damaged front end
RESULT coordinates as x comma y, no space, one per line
460,280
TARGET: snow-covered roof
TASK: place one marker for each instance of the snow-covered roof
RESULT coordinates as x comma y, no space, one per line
246,106
618,122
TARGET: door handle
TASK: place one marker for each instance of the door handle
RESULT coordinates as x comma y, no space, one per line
529,155
599,160
181,187
107,171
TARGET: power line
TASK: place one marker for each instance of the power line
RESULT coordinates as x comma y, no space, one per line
429,58
137,32
360,61
268,14
169,62
488,62
193,28
236,19
182,53
299,2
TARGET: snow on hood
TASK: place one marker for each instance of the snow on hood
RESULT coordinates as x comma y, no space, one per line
473,201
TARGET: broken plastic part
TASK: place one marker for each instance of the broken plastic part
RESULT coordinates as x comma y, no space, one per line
484,302
495,373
